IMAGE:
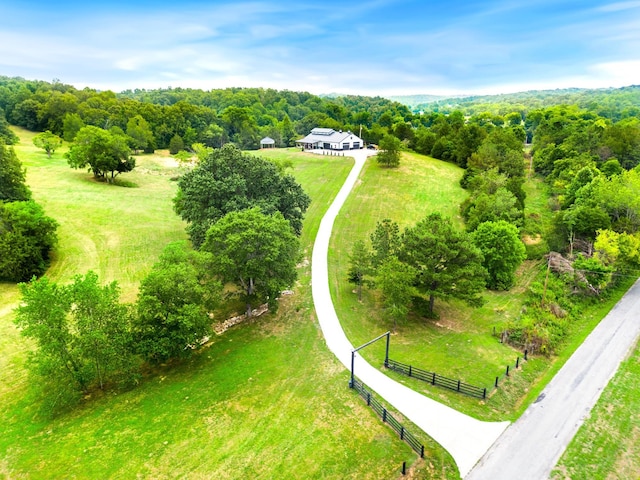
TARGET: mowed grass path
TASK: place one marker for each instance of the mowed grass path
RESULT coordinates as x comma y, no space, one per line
116,231
265,400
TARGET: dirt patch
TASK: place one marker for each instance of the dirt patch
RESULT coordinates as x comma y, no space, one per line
220,328
531,240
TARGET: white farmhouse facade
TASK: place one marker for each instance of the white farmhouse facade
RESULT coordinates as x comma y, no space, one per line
329,139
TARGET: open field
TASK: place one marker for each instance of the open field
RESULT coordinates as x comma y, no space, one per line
459,344
240,409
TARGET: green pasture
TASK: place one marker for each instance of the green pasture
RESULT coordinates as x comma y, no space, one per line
264,400
460,343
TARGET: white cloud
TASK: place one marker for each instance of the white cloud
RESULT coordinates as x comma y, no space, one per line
617,74
619,6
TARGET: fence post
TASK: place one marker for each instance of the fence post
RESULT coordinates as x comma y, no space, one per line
401,432
369,398
404,468
525,354
421,451
517,362
386,355
409,370
433,380
507,370
384,415
496,382
353,354
458,385
484,393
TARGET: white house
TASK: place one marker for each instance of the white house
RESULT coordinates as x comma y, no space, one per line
329,139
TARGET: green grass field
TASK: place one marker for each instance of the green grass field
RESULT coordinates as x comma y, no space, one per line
265,400
459,344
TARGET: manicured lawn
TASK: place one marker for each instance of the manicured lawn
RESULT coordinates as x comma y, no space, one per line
265,400
607,446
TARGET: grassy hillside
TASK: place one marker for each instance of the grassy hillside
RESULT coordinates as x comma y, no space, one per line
265,400
460,343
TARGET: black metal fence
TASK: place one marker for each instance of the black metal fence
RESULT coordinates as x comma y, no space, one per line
435,379
387,417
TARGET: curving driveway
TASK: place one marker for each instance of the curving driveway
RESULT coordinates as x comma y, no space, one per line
466,438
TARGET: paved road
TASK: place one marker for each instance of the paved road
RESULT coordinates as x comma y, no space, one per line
466,438
530,448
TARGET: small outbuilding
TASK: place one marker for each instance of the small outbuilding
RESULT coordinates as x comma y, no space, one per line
267,142
329,139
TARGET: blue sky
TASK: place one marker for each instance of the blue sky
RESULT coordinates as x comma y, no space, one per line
376,47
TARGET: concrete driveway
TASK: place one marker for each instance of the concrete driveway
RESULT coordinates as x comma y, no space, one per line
466,438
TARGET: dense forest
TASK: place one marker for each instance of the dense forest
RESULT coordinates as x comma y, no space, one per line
213,118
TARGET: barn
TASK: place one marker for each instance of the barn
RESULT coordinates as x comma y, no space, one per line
329,139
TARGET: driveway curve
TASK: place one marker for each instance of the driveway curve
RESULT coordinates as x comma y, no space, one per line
464,437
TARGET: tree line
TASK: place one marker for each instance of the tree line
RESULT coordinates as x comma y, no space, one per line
27,235
157,118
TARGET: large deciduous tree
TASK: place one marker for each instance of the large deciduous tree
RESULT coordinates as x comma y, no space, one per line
447,263
47,141
229,180
107,154
255,251
81,333
503,252
173,304
27,236
12,176
389,154
140,133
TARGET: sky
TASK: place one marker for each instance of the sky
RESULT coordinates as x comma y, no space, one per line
374,47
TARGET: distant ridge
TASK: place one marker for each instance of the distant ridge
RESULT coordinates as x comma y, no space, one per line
527,99
413,100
